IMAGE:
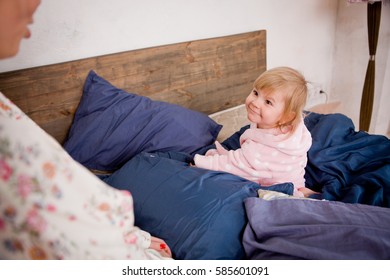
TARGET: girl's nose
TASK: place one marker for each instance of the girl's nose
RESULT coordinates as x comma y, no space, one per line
256,103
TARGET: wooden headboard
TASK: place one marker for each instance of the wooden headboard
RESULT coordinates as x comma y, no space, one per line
205,75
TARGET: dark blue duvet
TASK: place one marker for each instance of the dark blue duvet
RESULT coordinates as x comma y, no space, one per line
343,164
205,214
346,165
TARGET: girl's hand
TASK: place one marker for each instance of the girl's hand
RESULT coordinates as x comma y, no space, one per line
307,192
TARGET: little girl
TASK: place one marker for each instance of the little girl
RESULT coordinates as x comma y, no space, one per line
274,148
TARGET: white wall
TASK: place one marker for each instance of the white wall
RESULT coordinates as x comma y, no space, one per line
300,33
325,39
350,63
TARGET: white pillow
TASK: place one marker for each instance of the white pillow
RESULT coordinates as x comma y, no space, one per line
51,207
232,120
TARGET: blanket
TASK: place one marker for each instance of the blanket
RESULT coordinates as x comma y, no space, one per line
344,165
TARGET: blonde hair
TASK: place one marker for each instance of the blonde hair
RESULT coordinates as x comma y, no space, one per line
293,86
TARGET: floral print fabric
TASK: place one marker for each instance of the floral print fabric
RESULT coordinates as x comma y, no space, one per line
51,207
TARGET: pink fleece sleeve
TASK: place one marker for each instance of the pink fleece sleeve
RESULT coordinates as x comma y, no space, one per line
212,162
232,162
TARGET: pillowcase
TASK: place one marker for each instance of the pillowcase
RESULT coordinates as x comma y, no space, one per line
198,212
111,126
51,207
314,229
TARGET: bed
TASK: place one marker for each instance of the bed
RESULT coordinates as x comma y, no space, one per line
136,118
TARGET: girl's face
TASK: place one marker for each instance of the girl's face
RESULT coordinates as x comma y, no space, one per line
15,16
265,108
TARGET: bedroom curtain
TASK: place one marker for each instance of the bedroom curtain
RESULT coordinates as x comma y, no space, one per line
373,23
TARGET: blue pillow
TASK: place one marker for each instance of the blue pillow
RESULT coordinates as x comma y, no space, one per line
198,212
111,126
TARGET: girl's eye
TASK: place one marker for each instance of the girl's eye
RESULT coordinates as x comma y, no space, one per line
255,93
268,102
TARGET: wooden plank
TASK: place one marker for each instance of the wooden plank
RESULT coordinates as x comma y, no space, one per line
205,75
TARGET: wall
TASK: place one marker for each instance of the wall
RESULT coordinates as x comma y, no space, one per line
300,33
350,64
325,39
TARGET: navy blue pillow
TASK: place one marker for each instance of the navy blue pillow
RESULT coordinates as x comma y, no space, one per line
111,126
199,213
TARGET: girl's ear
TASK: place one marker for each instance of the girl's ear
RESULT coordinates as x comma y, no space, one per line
289,117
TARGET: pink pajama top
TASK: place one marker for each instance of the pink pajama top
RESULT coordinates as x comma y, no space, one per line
266,156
